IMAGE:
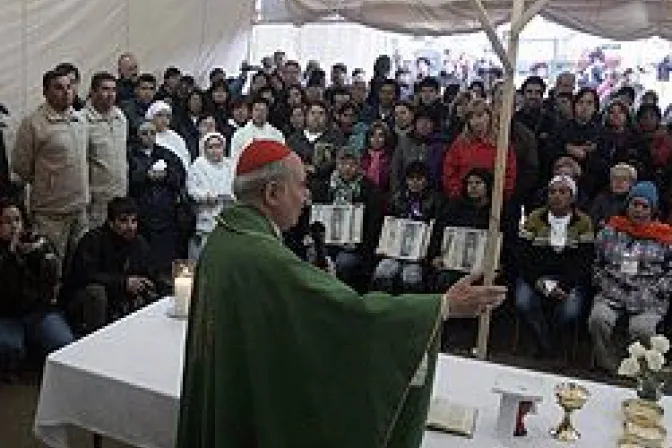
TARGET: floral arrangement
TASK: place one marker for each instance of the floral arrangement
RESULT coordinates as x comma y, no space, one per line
647,366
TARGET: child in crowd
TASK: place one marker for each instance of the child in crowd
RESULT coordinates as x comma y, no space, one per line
210,186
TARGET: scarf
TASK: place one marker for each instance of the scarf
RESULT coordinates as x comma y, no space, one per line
653,230
344,192
374,172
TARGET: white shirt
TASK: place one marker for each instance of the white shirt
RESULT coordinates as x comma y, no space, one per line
206,179
559,225
172,140
251,132
312,137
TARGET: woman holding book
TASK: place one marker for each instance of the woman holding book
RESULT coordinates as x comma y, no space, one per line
416,202
348,186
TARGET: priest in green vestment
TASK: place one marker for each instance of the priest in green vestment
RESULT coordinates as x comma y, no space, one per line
280,354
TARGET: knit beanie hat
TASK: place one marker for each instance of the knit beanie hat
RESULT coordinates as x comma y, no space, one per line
645,190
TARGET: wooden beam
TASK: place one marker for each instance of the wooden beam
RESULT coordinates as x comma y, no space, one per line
491,32
518,25
491,258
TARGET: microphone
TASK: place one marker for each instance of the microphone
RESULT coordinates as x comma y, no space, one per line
317,234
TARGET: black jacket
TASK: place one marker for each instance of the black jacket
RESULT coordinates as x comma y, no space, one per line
125,90
306,150
595,167
27,280
538,259
104,258
457,213
606,205
135,115
423,207
156,199
627,147
185,125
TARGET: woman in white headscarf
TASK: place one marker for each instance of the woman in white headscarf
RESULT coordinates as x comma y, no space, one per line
210,186
160,114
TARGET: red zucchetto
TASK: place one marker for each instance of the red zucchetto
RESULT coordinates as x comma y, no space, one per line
260,153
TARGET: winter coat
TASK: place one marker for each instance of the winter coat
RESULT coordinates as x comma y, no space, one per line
171,140
410,149
104,258
108,160
606,205
28,280
466,154
157,199
648,288
538,259
51,155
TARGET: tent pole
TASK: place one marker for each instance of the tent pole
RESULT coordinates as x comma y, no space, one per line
491,259
491,32
528,15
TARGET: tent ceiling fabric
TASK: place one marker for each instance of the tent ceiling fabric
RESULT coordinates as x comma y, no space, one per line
615,19
36,35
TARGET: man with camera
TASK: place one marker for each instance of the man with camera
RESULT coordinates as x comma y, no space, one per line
28,275
111,273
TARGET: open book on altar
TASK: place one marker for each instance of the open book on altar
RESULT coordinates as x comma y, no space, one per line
404,239
343,223
452,418
463,248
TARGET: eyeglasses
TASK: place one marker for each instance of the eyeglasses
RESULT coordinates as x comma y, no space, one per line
147,132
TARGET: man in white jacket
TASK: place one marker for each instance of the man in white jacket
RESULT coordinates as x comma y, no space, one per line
210,185
257,128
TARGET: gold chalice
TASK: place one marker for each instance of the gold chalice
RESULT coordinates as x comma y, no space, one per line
571,397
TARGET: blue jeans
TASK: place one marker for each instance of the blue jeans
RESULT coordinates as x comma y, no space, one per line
45,332
349,264
531,305
391,273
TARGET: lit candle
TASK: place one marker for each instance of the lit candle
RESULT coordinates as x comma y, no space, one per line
183,285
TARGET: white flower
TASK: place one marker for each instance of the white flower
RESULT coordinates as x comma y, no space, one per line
660,344
654,360
629,367
637,350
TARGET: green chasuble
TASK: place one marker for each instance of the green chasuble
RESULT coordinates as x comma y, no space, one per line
283,355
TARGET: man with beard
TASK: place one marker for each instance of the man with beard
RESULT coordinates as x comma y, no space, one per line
532,114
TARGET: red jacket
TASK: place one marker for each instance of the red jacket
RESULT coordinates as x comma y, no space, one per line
466,154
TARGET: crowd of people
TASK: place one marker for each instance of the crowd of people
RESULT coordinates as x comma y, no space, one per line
133,177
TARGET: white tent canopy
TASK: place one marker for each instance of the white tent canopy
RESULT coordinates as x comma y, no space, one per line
615,19
35,35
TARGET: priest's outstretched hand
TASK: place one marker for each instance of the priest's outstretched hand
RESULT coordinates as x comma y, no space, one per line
469,298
